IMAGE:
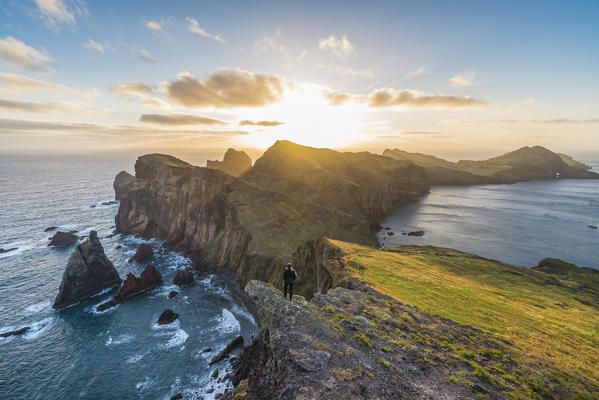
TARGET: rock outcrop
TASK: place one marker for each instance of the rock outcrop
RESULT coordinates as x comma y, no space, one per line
149,279
16,332
143,251
235,163
88,272
183,277
167,317
122,184
63,239
524,164
237,342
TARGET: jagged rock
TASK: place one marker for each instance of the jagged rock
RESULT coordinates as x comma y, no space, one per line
143,251
149,279
167,317
172,294
416,233
50,228
88,272
122,184
215,374
238,341
19,331
7,250
177,396
63,238
235,163
206,350
183,277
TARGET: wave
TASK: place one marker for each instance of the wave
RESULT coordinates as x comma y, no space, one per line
118,340
146,384
19,247
134,359
227,323
243,313
177,339
35,308
39,328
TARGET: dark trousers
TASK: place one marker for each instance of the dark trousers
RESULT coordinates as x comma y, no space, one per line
290,286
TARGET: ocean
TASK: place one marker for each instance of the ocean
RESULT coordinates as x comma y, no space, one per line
518,224
122,353
80,352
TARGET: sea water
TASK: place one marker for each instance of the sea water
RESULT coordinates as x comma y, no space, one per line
82,353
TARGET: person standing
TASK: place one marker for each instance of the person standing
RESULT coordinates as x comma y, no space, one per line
289,277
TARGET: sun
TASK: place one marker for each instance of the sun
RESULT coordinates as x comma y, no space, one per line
308,119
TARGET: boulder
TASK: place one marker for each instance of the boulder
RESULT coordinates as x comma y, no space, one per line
63,238
88,272
237,342
7,250
143,251
50,228
172,294
177,396
416,233
19,331
183,277
167,317
149,279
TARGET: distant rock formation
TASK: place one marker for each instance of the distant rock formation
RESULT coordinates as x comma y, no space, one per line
149,279
524,164
88,272
235,163
183,277
122,184
143,251
167,317
62,239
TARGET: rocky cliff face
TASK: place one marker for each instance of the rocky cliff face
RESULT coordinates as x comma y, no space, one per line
235,163
222,221
88,272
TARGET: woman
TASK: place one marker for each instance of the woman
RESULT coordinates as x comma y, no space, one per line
289,276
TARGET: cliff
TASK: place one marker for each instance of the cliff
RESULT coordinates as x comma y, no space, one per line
473,328
235,163
524,164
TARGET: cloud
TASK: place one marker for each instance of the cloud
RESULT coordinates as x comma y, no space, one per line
154,25
43,108
417,72
179,119
20,82
55,12
551,121
194,26
227,89
11,126
420,132
144,55
339,47
268,44
17,54
246,122
341,70
129,90
462,80
92,44
388,97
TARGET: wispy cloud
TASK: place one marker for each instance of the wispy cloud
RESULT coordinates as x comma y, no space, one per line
56,13
227,89
17,54
194,26
179,119
92,44
274,44
132,89
550,121
246,122
341,70
154,25
144,55
339,47
417,72
388,97
43,108
20,82
424,133
462,80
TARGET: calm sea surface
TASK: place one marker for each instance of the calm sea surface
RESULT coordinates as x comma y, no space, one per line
519,224
79,352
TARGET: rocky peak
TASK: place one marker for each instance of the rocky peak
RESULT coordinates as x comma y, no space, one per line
122,184
88,272
235,163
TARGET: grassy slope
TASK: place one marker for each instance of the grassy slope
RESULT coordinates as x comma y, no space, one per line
550,321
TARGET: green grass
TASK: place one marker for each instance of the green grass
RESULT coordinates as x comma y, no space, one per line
362,339
558,321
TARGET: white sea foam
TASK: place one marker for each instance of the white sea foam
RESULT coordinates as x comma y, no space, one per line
177,339
163,291
243,313
94,309
35,308
134,359
118,340
146,384
172,325
39,328
21,247
227,323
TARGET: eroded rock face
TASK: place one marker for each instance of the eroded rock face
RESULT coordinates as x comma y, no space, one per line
235,163
122,184
143,251
149,279
183,277
88,272
63,239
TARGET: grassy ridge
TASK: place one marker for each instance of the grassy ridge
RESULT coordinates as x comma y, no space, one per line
543,315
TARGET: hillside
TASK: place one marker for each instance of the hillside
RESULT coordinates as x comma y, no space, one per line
526,163
424,322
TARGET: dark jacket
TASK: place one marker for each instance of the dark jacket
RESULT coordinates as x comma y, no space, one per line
289,275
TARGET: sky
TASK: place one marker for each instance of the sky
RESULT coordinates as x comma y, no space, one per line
464,79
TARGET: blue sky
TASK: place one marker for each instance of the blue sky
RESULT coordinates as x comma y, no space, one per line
481,77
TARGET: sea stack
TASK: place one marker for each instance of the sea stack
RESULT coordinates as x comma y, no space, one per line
88,272
235,163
